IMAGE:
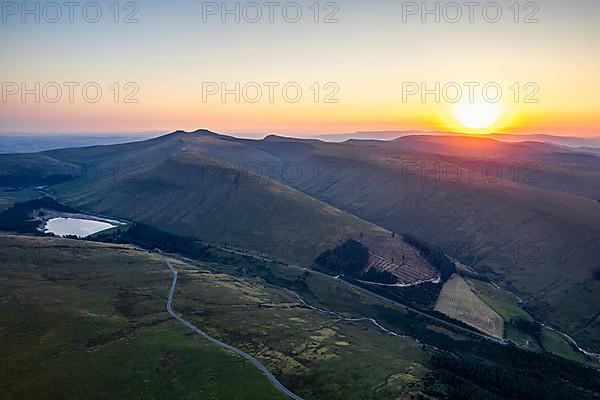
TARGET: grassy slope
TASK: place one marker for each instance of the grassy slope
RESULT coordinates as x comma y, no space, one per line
459,302
334,295
507,306
502,302
258,215
180,184
9,198
86,319
554,343
541,243
542,165
320,356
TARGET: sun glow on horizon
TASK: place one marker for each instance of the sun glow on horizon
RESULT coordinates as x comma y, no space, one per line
478,114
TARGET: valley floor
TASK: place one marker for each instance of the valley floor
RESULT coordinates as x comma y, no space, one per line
80,317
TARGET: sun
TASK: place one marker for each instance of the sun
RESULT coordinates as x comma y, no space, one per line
479,114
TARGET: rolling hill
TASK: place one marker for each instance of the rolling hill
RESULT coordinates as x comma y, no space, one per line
536,239
535,235
179,183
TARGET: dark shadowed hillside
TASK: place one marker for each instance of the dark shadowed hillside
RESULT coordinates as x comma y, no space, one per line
534,238
534,231
179,183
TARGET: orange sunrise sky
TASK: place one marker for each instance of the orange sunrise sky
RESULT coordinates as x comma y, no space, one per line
367,71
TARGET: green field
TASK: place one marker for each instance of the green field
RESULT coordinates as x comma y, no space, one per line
87,320
82,319
503,303
508,307
170,188
320,356
554,343
458,301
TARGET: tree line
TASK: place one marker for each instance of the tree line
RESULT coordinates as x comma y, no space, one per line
351,258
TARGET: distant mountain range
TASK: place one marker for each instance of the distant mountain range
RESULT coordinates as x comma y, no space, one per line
525,214
592,142
30,143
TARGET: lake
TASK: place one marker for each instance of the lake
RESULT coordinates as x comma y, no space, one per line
76,226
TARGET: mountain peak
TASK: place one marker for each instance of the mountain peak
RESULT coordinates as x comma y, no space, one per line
275,137
203,132
196,132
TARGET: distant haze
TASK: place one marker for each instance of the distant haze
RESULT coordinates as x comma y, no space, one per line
570,141
30,143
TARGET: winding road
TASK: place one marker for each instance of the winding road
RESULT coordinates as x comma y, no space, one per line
340,317
247,356
411,309
339,279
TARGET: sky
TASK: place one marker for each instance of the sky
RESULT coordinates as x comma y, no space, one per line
352,65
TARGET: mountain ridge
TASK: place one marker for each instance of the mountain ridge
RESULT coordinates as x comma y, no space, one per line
223,189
